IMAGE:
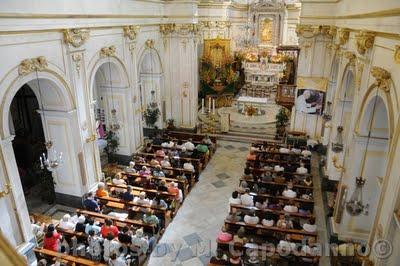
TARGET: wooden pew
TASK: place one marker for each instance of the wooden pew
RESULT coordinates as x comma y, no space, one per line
284,199
183,185
164,194
120,223
116,203
198,166
69,259
186,135
272,184
248,208
283,173
272,228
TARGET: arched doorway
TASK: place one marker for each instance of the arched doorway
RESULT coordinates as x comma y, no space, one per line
341,124
28,145
151,84
112,107
368,157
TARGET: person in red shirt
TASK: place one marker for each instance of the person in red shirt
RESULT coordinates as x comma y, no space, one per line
108,227
51,238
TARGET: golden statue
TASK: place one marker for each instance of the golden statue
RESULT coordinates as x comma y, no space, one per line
266,33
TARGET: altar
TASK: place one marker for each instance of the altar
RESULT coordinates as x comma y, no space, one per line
251,105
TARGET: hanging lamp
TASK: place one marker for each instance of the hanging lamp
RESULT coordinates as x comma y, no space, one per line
53,158
115,124
355,206
337,144
328,111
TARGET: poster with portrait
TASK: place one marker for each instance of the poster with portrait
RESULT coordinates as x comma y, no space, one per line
310,97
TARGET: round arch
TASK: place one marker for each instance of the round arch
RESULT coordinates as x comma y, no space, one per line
57,98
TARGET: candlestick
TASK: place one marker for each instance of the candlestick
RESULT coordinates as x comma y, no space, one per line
213,106
209,105
202,106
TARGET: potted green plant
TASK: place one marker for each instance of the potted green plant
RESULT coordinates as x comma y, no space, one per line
112,145
151,115
282,118
171,124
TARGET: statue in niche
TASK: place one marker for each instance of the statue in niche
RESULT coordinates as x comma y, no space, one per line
266,32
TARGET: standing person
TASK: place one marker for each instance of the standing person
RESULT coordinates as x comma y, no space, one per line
52,238
110,246
95,247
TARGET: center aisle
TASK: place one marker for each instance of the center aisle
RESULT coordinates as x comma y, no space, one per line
190,238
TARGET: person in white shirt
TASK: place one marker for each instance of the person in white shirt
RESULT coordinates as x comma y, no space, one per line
189,145
290,207
286,246
116,260
268,220
247,200
311,143
306,153
310,227
138,240
235,198
296,151
142,199
169,144
251,218
131,167
188,166
284,150
278,168
165,162
117,180
110,246
288,193
301,169
66,222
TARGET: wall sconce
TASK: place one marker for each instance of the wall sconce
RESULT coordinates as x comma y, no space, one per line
6,191
91,138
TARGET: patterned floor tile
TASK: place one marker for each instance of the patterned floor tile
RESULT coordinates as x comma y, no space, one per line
218,184
229,147
184,254
223,176
192,239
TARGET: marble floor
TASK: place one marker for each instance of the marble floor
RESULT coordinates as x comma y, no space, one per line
191,237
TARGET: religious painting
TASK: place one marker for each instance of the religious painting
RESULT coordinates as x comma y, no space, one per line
266,31
217,51
310,101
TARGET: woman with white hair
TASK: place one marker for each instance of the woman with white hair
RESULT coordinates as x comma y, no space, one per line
66,223
131,167
118,180
140,241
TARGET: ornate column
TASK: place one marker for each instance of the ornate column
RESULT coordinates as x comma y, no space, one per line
130,34
75,40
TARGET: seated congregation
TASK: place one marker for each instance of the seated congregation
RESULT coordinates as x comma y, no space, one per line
121,222
271,219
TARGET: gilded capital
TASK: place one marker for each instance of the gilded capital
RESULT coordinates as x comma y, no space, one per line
33,64
382,78
303,28
332,31
364,41
184,29
350,56
344,34
75,37
397,54
150,43
166,29
131,32
107,51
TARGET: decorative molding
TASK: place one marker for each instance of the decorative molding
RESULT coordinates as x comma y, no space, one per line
397,54
344,34
350,56
382,78
108,51
359,72
77,57
30,65
6,191
215,24
335,163
166,30
150,43
185,29
76,37
364,41
131,32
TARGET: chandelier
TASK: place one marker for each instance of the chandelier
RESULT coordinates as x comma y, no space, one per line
53,159
355,205
337,145
115,124
328,112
